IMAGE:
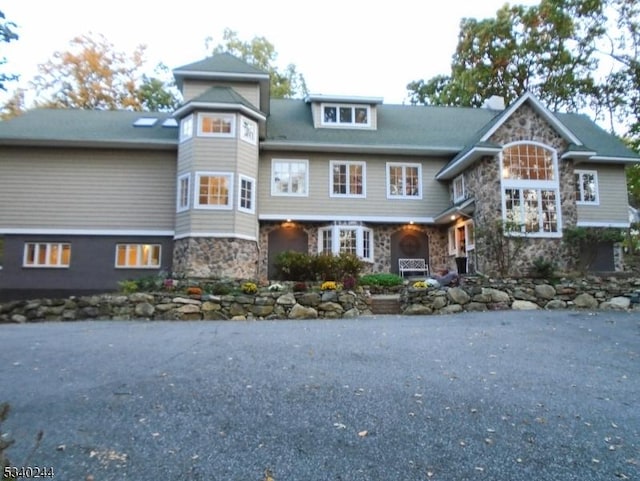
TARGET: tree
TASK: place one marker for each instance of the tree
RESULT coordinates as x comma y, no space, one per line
7,34
546,49
261,53
93,75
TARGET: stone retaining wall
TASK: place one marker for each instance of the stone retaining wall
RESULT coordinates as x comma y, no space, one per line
523,294
164,306
473,295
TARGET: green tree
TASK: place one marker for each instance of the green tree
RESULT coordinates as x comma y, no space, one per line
546,49
7,34
261,53
94,75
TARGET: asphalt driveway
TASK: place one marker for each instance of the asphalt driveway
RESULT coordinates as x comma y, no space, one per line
486,396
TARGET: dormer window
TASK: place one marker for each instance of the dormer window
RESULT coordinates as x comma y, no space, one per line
216,125
346,115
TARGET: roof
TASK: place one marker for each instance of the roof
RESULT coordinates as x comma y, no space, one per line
65,127
449,132
407,128
223,63
219,98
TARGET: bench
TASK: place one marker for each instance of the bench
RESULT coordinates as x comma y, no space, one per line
413,265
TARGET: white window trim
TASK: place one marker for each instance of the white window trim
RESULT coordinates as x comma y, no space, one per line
274,191
196,191
538,185
180,207
334,231
451,240
253,139
231,117
139,249
253,194
186,128
48,246
470,245
348,163
403,196
351,124
461,195
580,173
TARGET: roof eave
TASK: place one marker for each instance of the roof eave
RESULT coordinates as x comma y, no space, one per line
359,148
190,106
464,208
91,144
454,168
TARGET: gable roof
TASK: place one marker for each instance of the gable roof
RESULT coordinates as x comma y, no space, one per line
219,98
225,67
88,128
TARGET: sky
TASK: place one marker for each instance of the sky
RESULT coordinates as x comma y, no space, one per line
341,47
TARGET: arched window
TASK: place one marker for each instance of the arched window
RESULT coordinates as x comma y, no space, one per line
530,190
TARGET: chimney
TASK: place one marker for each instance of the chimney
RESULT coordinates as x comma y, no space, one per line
495,102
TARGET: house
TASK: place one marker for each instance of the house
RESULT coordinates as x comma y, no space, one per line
232,178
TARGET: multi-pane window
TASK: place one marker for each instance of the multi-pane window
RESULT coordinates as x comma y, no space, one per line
218,125
246,197
138,256
404,181
350,239
186,128
458,189
289,177
347,179
346,115
182,202
248,131
213,190
47,254
586,186
530,190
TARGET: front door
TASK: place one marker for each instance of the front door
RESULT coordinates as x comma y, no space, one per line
285,238
410,244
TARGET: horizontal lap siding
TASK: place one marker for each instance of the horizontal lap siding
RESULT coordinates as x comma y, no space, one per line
83,189
434,200
612,189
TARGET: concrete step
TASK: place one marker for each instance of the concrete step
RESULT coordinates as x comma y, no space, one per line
385,304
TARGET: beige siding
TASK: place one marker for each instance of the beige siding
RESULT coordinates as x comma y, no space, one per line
435,194
612,190
207,221
194,88
215,154
87,189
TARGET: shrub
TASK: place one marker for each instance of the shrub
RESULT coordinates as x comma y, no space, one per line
194,291
329,286
381,279
218,289
420,285
128,286
298,266
543,268
300,287
249,288
349,282
294,266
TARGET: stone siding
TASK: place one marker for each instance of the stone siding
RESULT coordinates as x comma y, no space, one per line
218,258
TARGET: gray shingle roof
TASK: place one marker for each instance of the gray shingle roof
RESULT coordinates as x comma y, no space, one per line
87,127
220,63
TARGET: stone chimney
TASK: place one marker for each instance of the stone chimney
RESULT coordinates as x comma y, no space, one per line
495,102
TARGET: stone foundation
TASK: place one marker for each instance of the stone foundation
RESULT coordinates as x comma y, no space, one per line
218,258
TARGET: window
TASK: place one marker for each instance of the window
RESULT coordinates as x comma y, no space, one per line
214,190
216,125
458,189
530,190
1,250
346,115
347,179
347,238
186,128
246,198
183,193
289,177
145,256
248,131
47,254
586,187
404,181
